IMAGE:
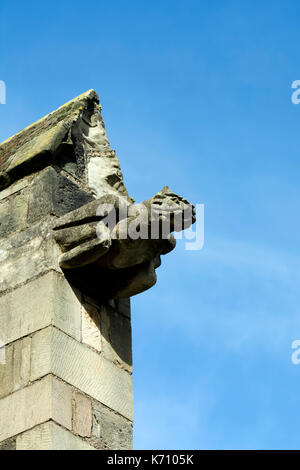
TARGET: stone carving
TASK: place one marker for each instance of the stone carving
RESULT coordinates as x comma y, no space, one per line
122,241
73,139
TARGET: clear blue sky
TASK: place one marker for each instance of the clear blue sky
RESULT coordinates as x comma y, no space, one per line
195,95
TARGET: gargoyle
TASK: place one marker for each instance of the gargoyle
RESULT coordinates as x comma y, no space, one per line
116,244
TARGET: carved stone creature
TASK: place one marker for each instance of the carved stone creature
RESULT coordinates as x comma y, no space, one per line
122,242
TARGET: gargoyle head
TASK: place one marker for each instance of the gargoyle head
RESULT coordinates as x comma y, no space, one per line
168,206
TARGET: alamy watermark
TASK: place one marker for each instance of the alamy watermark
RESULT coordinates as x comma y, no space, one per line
296,354
195,236
2,92
153,222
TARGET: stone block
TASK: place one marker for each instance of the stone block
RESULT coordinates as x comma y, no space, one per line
35,404
14,188
27,254
61,402
82,415
116,337
53,193
13,214
110,430
50,436
15,373
91,334
9,444
83,368
48,300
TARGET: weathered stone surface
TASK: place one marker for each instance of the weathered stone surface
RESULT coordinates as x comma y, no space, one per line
83,368
15,373
116,337
50,436
123,307
9,444
110,430
35,404
27,254
48,300
13,214
43,137
61,402
52,193
91,334
82,415
73,138
14,188
123,251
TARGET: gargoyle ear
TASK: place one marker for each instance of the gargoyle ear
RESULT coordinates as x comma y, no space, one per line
165,190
